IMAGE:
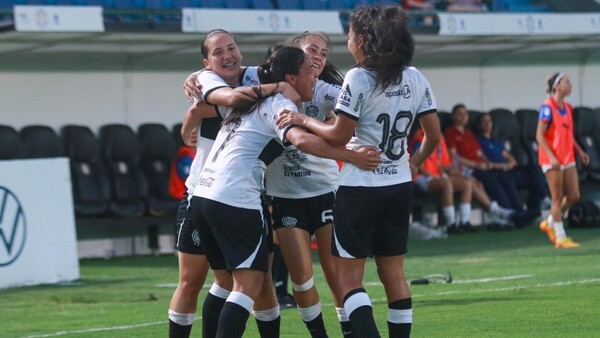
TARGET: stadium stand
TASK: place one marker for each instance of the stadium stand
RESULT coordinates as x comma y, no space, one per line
528,121
11,145
507,128
89,179
158,150
586,134
41,142
121,152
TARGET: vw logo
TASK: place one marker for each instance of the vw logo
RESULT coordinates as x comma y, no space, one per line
13,227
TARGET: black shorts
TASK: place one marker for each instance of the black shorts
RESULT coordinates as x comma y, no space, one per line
188,237
232,238
308,214
371,221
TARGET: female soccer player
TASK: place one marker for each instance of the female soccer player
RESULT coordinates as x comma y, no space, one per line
556,156
379,101
226,202
222,60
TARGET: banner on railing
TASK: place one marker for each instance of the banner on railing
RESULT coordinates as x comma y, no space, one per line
38,242
519,24
196,20
58,19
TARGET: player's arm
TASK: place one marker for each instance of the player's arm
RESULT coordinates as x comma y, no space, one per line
243,96
585,158
431,129
366,158
540,131
193,116
339,132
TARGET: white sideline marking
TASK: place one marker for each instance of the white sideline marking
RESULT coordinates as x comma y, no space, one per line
490,279
381,300
123,327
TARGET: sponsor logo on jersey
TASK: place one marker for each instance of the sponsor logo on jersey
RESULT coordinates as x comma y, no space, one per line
249,80
358,102
206,181
386,168
345,96
428,97
312,111
289,222
329,97
405,92
13,227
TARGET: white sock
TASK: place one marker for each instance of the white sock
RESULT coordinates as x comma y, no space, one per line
449,214
559,231
500,211
464,210
550,221
183,319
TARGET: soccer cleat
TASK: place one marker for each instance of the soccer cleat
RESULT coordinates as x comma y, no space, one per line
567,243
549,231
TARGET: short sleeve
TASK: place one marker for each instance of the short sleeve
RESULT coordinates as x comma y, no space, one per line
427,103
354,91
279,104
210,82
545,113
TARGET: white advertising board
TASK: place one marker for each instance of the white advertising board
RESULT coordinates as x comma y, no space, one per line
519,24
260,21
38,243
58,18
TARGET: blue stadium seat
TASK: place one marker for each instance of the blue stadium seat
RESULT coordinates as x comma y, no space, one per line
187,3
238,4
129,3
71,2
159,4
6,3
387,2
316,4
341,4
290,4
213,3
359,3
261,4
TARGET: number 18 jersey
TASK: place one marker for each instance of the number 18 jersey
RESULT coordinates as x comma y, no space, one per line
384,119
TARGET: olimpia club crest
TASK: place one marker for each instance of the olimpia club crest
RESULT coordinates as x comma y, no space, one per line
13,227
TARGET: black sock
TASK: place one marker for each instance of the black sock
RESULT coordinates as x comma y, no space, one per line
232,321
348,330
316,327
179,331
211,309
362,316
269,329
402,328
279,272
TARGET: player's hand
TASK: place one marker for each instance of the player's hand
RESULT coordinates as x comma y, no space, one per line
585,158
288,91
367,158
290,118
192,88
191,139
330,118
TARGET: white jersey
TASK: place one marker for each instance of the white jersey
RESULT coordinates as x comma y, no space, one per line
208,128
297,174
233,172
384,120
